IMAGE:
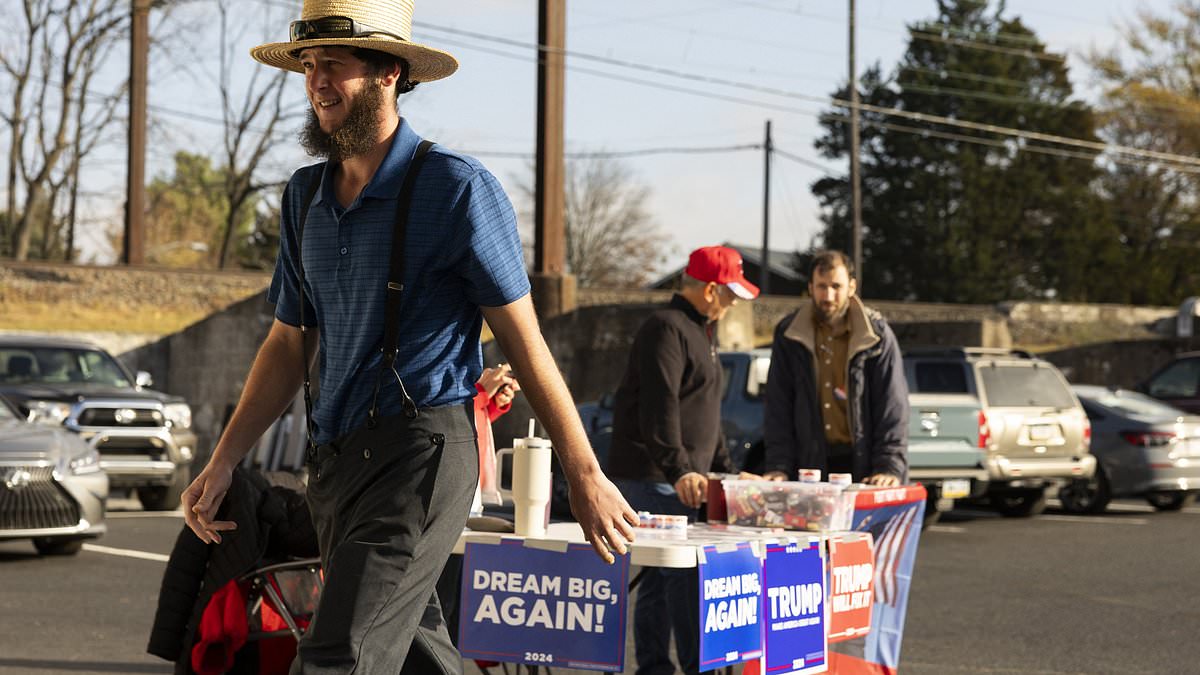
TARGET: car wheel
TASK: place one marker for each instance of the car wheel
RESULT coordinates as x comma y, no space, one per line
164,497
1086,496
1020,503
57,546
1170,501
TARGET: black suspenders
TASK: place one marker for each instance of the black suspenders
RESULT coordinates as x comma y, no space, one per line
395,287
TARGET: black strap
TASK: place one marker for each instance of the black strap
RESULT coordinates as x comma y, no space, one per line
395,287
312,192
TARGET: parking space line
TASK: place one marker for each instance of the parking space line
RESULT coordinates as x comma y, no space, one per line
111,515
126,553
949,529
1130,508
1100,520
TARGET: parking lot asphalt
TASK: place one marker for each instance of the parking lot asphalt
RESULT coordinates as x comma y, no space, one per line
1057,594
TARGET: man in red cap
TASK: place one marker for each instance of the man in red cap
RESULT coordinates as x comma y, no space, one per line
667,437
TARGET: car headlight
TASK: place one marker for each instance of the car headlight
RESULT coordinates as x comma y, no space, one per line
88,462
179,415
53,413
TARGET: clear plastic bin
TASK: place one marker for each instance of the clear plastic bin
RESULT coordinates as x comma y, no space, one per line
815,507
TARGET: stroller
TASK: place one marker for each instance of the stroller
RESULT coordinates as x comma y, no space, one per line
241,607
253,623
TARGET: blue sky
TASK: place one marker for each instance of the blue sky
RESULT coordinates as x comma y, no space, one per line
792,45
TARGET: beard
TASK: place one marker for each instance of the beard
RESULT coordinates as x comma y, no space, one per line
832,315
357,134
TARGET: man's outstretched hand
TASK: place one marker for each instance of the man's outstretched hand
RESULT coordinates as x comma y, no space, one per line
202,499
607,520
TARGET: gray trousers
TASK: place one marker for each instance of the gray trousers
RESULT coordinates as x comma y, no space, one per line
388,505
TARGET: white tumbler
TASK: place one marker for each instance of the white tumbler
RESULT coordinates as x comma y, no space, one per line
530,492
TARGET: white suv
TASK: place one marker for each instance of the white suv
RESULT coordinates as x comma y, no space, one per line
1034,430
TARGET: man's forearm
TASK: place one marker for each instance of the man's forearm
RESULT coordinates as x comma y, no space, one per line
515,328
271,385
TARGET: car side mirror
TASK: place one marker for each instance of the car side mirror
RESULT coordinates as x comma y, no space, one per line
143,380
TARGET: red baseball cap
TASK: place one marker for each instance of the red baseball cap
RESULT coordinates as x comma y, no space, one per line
722,265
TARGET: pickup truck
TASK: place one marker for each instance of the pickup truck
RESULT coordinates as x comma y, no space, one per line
943,456
144,437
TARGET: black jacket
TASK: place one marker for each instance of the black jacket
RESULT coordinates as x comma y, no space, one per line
876,389
273,524
667,411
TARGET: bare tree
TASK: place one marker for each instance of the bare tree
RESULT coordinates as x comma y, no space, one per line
63,45
252,120
612,239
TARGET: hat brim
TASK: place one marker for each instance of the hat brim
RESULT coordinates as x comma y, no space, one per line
743,289
425,63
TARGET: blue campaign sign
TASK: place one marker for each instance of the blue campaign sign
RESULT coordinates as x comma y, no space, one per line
794,608
546,608
730,591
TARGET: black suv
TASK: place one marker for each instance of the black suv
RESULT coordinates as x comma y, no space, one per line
144,437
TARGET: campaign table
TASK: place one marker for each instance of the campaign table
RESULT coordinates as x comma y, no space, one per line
655,548
892,517
649,549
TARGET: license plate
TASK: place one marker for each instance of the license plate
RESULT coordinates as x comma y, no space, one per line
956,489
1042,432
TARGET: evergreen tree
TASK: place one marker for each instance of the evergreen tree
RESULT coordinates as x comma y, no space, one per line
957,215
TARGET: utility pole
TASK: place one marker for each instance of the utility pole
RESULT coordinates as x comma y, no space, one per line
855,177
133,249
764,275
553,288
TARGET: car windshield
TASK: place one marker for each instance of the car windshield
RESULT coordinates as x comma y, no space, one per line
59,365
1130,403
1024,386
940,377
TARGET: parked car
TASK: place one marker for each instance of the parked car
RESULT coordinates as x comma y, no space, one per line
144,437
949,466
52,489
1143,448
1177,383
1032,427
744,382
945,450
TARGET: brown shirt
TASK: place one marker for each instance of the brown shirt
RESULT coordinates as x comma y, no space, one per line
831,348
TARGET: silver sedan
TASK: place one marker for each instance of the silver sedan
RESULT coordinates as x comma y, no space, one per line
52,490
1143,448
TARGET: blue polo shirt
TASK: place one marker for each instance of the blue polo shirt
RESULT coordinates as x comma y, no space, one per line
462,253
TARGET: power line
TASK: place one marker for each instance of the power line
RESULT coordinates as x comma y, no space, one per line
1004,81
623,153
988,96
800,111
925,34
983,46
806,162
896,112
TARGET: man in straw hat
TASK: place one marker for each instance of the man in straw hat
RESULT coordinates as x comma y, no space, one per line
392,252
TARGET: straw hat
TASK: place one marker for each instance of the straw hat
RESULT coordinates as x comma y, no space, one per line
382,25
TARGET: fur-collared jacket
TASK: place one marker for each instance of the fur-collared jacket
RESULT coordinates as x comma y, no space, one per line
876,391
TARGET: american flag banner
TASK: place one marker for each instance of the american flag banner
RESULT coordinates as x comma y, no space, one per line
893,517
